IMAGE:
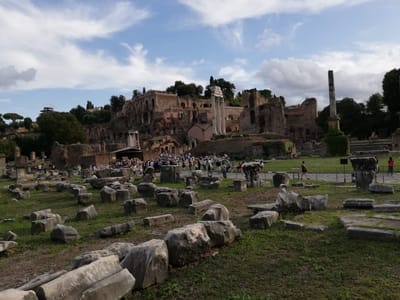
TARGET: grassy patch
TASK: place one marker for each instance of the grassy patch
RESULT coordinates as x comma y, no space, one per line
276,263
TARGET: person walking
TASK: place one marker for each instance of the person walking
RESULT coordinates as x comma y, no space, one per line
304,170
390,165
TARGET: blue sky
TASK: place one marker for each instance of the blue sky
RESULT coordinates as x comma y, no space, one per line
64,53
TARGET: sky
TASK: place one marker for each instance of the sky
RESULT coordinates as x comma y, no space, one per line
63,53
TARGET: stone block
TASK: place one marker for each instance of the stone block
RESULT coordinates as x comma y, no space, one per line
263,219
239,185
359,203
135,206
84,198
87,213
64,234
158,220
122,195
370,233
116,229
148,262
292,225
200,206
216,212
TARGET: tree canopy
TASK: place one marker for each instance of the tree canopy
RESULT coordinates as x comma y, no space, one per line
12,116
62,127
182,89
228,89
117,102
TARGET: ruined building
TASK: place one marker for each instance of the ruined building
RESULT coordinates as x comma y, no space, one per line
168,123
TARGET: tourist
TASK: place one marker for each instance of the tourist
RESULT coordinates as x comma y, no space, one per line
304,171
390,165
376,170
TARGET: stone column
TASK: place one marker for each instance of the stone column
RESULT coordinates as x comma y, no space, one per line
332,98
223,116
214,114
333,120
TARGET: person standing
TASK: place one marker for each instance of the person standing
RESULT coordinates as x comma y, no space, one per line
304,170
390,165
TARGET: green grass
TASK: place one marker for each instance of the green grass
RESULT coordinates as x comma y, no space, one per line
276,263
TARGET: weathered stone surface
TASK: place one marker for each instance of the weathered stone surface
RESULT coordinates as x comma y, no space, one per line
148,263
39,280
169,174
187,197
71,285
386,207
6,245
167,199
239,185
135,206
291,201
87,213
14,294
376,221
116,229
146,189
45,225
370,233
122,194
113,287
318,228
263,219
291,224
262,207
380,188
84,198
62,186
359,203
120,248
317,202
280,178
10,236
364,170
221,233
99,183
187,244
158,220
216,212
20,194
88,257
78,189
209,182
200,206
64,234
133,191
108,194
40,214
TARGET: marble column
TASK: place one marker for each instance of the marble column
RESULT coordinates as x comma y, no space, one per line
214,114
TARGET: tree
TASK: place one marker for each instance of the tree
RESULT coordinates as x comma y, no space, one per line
12,116
62,127
352,118
182,89
28,123
228,88
89,105
79,112
391,97
266,93
117,103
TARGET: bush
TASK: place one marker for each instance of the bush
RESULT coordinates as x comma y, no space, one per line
337,143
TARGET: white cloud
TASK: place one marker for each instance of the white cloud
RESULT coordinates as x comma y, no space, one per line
358,74
47,39
232,34
267,39
222,12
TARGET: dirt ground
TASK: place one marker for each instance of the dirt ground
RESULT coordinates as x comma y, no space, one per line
18,268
